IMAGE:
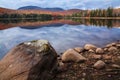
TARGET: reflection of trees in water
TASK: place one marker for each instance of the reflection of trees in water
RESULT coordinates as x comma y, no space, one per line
17,18
102,22
98,22
7,21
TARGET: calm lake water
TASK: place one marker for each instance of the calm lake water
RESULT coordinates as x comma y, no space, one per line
62,34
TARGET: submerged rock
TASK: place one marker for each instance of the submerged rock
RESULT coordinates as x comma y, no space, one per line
90,46
72,55
34,60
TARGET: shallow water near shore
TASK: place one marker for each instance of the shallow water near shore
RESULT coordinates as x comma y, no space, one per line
61,34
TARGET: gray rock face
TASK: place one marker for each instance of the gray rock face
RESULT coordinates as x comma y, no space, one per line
34,60
72,55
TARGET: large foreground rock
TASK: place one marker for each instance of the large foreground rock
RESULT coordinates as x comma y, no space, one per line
35,60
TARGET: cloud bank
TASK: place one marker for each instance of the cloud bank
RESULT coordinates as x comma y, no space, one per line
65,4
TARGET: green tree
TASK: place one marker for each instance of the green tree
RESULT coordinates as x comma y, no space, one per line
110,12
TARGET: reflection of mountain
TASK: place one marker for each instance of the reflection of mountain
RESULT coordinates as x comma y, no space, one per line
37,23
61,38
32,24
50,25
39,8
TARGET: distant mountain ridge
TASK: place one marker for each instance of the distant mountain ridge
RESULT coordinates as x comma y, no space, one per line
2,10
39,8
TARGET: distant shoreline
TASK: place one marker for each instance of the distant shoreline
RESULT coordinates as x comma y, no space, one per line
97,17
73,17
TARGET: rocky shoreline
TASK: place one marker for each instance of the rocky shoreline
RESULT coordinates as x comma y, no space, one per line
37,60
90,63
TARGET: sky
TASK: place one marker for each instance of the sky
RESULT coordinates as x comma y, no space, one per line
65,4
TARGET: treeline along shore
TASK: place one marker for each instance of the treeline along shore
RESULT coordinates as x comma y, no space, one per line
28,16
109,13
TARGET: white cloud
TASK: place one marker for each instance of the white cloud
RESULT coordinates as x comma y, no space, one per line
66,4
117,7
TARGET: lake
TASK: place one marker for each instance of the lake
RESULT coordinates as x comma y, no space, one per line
62,34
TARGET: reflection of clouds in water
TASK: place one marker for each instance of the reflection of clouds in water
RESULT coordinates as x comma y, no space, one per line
62,38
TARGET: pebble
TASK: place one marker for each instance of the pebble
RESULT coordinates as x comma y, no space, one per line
107,57
99,64
112,49
90,46
78,49
84,74
96,56
92,51
115,66
118,45
105,49
109,45
113,44
99,50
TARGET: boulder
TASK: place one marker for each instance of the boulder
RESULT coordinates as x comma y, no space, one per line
109,45
90,46
99,64
107,57
91,51
72,55
115,66
112,49
96,56
118,45
33,60
78,49
105,49
99,50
